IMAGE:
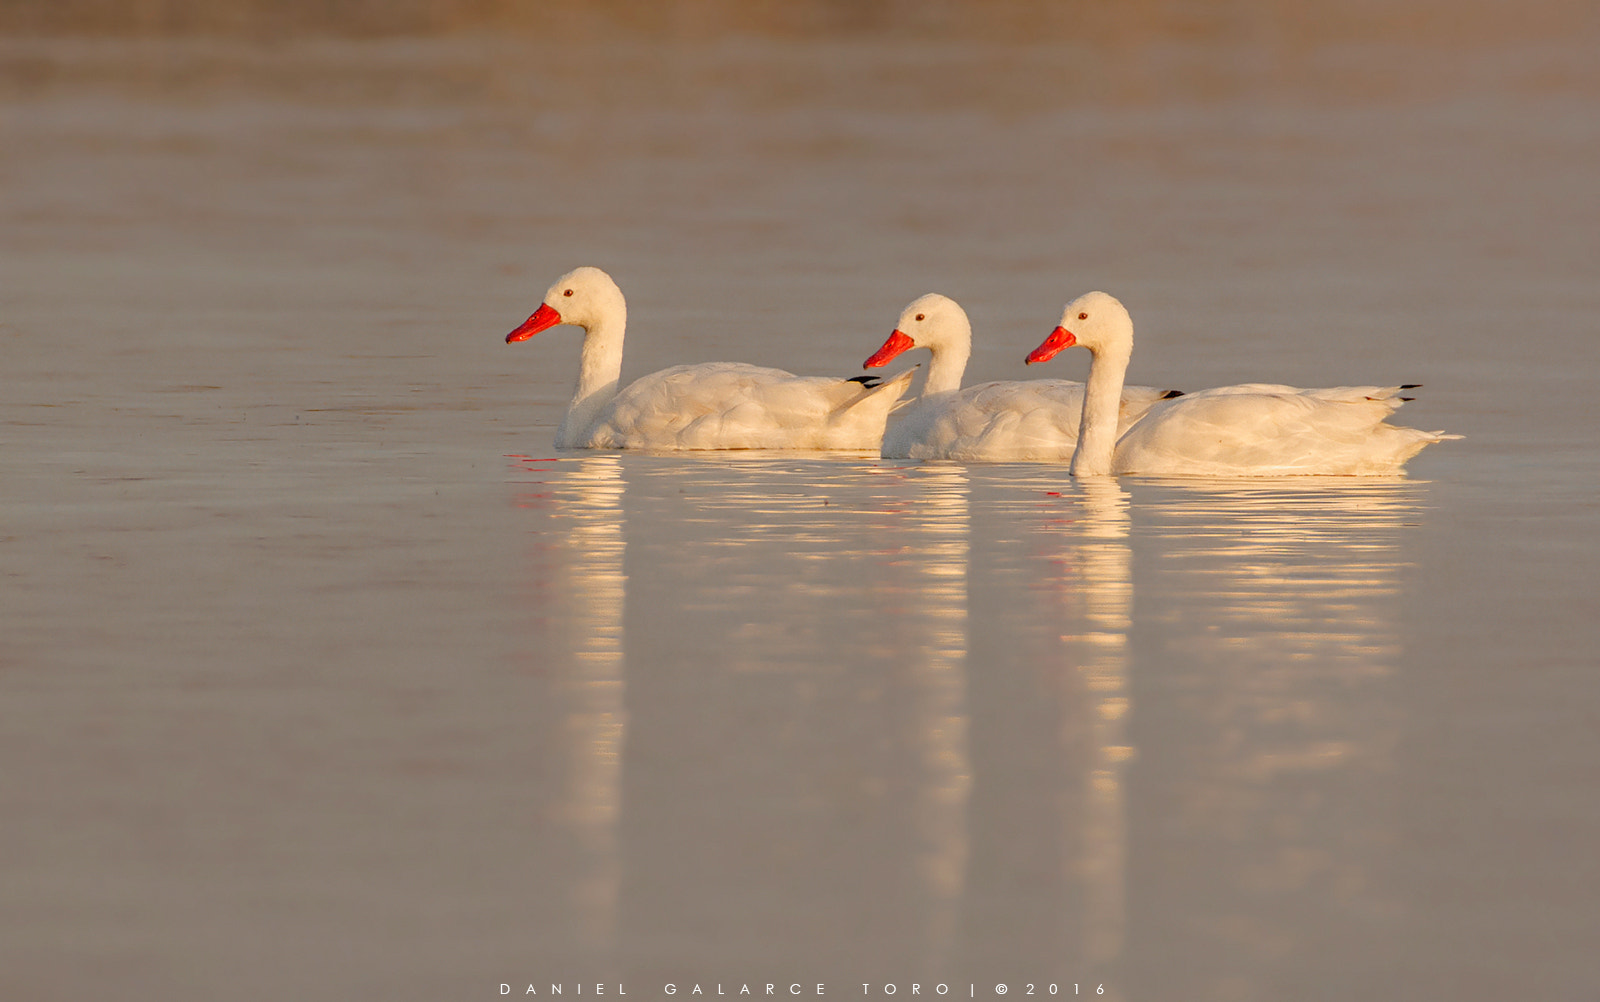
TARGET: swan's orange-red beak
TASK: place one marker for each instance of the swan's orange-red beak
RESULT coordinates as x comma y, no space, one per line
896,344
543,318
1059,339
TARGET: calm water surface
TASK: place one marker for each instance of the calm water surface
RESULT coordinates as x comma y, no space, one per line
326,677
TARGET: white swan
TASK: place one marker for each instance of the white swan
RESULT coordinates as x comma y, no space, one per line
1254,429
715,405
1004,421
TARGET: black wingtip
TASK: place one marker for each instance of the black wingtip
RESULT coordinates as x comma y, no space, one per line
868,381
1171,393
1407,400
1411,386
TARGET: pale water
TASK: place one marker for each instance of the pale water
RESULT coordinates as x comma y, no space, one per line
324,676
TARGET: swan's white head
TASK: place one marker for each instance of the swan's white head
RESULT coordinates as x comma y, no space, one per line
583,297
932,321
1095,320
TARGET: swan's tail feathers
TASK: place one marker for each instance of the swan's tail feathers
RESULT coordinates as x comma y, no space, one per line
1379,393
1407,443
858,423
879,397
1416,439
882,391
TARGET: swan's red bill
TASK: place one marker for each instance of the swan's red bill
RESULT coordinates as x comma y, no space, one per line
543,318
1059,340
896,344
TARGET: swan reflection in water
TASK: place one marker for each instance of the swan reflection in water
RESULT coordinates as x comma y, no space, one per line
783,642
1100,653
800,632
938,693
582,588
850,689
1052,596
1267,726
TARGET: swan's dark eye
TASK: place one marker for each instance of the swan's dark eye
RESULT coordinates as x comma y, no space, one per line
1081,316
567,293
920,316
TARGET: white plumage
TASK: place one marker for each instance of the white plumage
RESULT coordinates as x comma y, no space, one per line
1003,421
715,405
1252,429
731,405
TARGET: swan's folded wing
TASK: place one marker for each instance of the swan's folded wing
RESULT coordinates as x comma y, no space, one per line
1269,430
1032,420
733,405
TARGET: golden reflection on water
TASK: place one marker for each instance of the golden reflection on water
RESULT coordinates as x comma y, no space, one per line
1100,654
771,549
1273,611
939,692
1306,570
590,497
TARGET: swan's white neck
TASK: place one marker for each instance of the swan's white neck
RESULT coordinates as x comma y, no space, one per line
1102,406
599,372
946,367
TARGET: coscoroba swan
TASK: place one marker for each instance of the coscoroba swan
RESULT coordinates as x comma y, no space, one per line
1253,429
715,405
1030,420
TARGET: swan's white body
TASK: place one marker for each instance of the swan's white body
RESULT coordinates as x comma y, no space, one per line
1032,420
731,405
1253,429
715,405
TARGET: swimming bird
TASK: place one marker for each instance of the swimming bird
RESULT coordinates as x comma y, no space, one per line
1015,420
712,405
1252,429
